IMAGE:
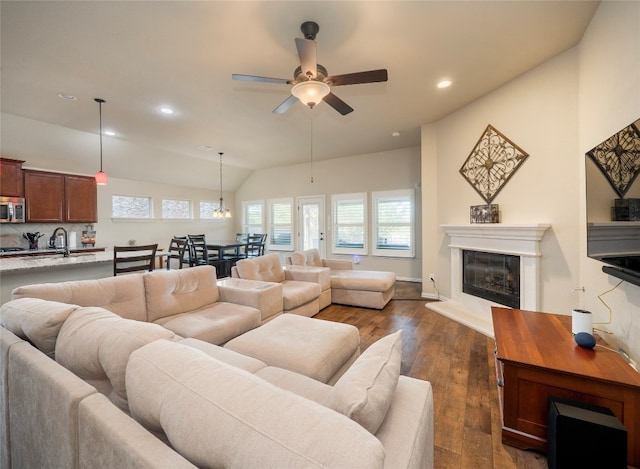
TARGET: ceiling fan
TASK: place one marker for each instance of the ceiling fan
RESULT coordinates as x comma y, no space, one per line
311,81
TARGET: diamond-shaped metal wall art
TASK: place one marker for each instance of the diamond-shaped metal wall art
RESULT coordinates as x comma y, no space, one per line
618,157
491,163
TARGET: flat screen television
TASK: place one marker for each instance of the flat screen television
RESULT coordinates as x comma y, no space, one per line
613,203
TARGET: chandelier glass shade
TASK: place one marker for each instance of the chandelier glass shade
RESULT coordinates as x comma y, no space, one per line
101,176
221,212
310,92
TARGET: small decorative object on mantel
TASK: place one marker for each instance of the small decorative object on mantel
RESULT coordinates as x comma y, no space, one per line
490,165
489,213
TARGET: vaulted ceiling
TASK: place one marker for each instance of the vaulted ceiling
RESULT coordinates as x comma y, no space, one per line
140,56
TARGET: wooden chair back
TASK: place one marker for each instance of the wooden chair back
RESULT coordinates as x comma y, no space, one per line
177,251
198,249
128,259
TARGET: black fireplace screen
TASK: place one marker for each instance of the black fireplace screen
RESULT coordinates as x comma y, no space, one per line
492,276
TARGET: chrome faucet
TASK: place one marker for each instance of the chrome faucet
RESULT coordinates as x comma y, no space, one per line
52,240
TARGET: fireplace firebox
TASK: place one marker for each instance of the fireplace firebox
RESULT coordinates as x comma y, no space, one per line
492,276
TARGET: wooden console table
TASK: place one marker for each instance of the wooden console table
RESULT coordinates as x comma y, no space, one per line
536,356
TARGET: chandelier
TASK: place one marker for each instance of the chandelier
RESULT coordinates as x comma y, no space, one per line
221,212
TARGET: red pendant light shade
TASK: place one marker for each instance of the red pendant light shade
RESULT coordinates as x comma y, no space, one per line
101,176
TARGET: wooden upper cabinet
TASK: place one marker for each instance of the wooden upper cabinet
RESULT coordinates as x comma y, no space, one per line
60,198
81,199
11,181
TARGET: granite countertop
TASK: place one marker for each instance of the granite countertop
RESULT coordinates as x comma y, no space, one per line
52,259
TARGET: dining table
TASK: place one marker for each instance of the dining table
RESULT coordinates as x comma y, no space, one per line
220,246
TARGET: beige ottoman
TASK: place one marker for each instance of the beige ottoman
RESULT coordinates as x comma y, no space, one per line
322,350
363,288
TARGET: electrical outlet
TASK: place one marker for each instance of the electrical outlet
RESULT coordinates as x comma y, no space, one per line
432,278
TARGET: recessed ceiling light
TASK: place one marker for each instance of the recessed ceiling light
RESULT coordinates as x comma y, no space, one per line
444,84
66,96
395,133
110,133
205,148
166,110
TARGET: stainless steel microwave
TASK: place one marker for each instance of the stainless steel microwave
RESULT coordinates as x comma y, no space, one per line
12,210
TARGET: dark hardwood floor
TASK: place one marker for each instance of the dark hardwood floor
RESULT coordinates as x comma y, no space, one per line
459,363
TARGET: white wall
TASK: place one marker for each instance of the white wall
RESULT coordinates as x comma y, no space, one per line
556,113
398,169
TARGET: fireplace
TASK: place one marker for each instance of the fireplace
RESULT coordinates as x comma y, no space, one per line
508,241
492,276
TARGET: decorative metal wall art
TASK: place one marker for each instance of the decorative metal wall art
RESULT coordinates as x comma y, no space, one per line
618,157
491,163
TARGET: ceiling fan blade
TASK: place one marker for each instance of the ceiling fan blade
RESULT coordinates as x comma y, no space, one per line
371,76
307,55
282,81
337,104
285,105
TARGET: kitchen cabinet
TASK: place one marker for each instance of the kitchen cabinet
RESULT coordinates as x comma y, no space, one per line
11,181
60,198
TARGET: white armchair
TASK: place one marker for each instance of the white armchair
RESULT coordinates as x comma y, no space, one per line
364,288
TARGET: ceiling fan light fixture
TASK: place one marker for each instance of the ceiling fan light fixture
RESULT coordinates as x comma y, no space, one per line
310,92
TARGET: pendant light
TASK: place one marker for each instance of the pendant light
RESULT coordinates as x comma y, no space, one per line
101,176
221,212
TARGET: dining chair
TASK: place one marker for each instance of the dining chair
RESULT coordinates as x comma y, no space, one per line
178,251
128,259
198,251
255,245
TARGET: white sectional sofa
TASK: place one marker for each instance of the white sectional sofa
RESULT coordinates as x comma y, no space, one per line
83,387
362,288
186,301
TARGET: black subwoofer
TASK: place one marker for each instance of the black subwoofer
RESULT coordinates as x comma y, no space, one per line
583,436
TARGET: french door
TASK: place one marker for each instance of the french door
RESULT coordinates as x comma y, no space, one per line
311,224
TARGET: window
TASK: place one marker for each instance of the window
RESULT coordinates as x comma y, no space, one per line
123,206
252,219
176,209
349,223
393,223
280,225
207,209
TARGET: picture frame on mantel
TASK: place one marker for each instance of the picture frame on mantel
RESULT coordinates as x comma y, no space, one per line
489,213
492,162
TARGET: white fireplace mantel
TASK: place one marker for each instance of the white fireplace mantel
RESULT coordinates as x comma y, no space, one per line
518,240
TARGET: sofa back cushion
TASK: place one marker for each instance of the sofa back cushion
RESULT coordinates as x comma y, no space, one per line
171,292
95,344
123,295
38,321
217,415
267,268
364,393
309,257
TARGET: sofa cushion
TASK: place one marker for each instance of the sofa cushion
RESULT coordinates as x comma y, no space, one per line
367,280
312,347
38,321
245,421
267,268
252,365
95,344
179,291
123,295
309,257
364,393
216,323
297,293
